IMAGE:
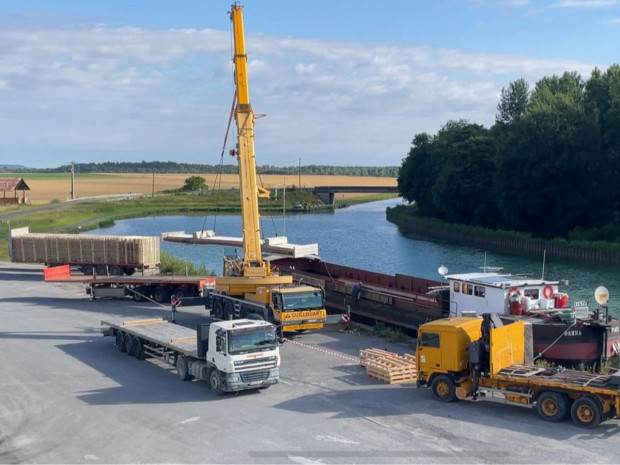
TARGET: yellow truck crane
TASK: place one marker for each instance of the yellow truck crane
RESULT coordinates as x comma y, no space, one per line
480,359
249,286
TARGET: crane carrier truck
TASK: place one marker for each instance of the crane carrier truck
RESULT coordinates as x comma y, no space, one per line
230,355
250,285
480,359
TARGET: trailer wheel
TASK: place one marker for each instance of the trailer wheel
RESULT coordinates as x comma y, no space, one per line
115,270
161,294
183,291
129,344
217,310
552,406
137,348
120,341
88,270
182,369
215,381
129,270
443,388
586,412
102,270
138,294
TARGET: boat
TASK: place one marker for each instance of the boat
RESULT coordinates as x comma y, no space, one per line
566,333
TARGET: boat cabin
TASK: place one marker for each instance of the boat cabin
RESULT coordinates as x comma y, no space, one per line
477,293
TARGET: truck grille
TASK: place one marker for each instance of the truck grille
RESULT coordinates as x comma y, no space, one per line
254,364
254,376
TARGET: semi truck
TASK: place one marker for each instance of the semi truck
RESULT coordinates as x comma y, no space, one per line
231,356
93,255
477,359
159,288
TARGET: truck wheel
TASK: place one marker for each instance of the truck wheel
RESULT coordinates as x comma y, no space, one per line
137,348
101,270
229,311
120,341
443,388
182,369
586,412
552,406
217,310
88,270
215,381
161,294
129,344
115,270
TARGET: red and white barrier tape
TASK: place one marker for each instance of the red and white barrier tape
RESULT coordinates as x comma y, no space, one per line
326,351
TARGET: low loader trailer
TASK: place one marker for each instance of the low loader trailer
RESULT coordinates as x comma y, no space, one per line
231,355
157,287
481,359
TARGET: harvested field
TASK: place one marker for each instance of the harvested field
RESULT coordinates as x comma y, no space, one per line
47,190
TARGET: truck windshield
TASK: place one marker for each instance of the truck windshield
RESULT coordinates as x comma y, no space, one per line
302,301
251,340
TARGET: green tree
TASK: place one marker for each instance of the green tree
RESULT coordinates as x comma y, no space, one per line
194,183
513,101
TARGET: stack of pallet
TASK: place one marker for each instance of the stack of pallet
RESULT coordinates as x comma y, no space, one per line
388,366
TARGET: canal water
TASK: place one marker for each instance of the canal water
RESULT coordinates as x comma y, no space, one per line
361,237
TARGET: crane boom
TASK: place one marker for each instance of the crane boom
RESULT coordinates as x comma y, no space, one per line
253,264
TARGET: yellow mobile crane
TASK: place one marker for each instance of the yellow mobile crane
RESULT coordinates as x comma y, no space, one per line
249,286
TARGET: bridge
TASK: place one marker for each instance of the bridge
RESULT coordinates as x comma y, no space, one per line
326,193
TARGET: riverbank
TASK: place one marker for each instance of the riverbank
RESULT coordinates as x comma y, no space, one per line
78,216
502,241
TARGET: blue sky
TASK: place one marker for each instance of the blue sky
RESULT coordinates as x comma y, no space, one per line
341,82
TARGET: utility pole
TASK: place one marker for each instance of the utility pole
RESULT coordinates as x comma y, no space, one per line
153,186
72,181
299,171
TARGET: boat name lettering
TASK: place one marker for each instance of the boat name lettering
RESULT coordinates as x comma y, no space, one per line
614,329
581,303
574,332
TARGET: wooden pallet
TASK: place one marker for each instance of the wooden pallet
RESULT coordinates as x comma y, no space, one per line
388,366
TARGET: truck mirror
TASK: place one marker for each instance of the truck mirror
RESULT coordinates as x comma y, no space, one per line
281,340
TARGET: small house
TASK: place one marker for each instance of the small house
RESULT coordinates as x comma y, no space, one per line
10,187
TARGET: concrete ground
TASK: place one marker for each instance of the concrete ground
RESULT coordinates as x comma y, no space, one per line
67,395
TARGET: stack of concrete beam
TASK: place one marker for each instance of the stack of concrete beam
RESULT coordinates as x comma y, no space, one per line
84,249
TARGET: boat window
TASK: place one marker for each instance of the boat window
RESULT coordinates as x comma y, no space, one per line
457,286
429,340
467,289
532,293
479,291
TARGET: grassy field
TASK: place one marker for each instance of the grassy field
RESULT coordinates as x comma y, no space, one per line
56,187
94,211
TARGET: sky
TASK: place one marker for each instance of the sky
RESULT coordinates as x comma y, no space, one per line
340,82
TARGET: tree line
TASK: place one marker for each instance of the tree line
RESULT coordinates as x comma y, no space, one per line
549,165
190,168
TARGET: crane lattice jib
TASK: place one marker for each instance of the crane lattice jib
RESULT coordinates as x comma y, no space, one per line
253,264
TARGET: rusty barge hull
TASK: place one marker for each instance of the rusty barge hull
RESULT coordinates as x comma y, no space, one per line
398,300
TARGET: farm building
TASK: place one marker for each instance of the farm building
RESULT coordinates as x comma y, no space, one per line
10,187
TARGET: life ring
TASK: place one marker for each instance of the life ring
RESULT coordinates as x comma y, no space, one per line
547,291
515,291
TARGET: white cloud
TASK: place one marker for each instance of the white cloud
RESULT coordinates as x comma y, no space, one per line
584,3
133,94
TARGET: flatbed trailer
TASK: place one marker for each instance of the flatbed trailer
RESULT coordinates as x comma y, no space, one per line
231,355
158,287
482,359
